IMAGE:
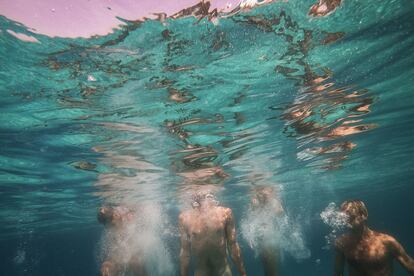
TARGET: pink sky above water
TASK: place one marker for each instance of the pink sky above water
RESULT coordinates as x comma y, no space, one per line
85,18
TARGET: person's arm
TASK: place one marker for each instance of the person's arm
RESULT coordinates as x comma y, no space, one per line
277,207
339,261
185,248
232,244
402,257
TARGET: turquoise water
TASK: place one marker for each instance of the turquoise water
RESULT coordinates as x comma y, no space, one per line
319,108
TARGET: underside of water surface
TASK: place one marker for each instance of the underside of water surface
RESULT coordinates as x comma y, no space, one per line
319,109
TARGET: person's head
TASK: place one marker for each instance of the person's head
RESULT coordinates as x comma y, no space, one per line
109,216
105,215
203,199
356,212
262,195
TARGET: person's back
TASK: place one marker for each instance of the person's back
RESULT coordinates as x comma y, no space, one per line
207,231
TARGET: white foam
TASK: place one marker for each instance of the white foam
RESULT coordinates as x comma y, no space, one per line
336,220
145,237
20,257
333,217
264,228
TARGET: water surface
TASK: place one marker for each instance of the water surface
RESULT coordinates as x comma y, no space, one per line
319,108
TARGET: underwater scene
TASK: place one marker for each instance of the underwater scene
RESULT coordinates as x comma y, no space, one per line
262,138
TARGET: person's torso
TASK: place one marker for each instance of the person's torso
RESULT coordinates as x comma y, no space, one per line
207,234
369,257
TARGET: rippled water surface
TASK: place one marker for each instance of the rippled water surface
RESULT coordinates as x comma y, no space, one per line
320,109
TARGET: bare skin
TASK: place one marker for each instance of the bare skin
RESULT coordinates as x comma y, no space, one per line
367,252
207,232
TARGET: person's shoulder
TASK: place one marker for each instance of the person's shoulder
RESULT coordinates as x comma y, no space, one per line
227,212
184,216
224,209
392,244
383,236
387,239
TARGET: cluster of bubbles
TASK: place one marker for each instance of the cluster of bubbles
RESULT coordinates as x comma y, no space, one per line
145,236
26,259
262,228
336,220
20,257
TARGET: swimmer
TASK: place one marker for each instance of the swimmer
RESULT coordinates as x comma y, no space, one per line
265,199
367,252
117,219
208,232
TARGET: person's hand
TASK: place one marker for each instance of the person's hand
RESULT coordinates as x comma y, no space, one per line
255,202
